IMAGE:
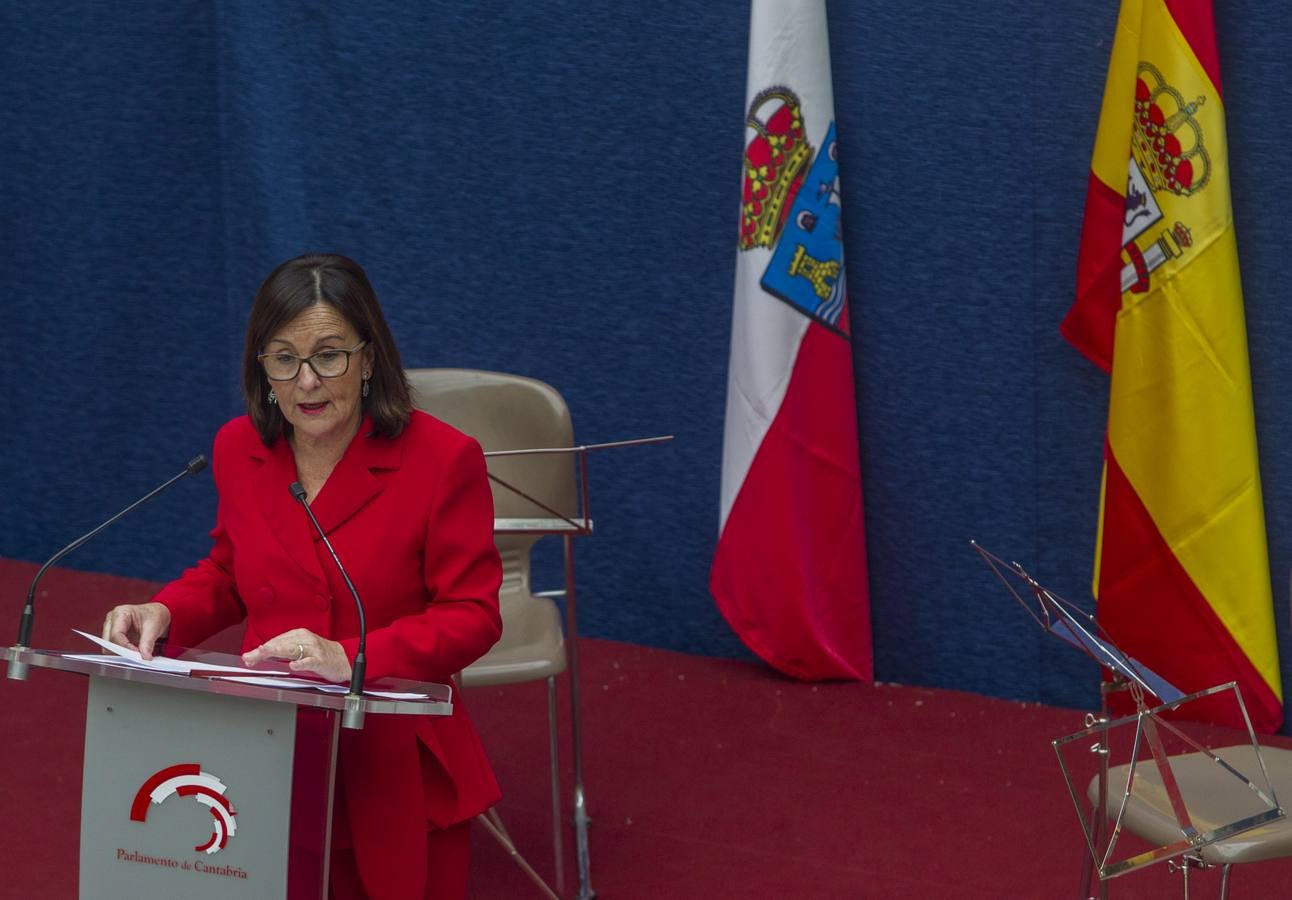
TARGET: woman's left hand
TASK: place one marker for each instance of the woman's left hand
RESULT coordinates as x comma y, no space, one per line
305,652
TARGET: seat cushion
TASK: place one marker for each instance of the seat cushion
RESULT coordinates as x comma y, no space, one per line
532,645
1214,797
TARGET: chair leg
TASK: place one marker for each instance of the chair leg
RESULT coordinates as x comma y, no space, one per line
1224,881
582,856
493,824
492,821
553,747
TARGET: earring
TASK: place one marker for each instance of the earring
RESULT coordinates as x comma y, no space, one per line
272,397
365,390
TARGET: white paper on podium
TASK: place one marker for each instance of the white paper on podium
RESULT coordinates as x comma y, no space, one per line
127,658
131,659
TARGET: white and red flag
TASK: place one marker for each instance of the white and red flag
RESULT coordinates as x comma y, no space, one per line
789,573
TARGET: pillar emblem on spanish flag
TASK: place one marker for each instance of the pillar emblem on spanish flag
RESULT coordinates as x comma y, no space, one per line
1181,570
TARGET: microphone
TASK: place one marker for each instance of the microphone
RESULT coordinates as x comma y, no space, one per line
18,668
352,717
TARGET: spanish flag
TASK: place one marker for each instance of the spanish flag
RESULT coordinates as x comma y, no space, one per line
1182,575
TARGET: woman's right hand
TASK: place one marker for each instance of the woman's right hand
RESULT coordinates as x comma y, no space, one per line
138,626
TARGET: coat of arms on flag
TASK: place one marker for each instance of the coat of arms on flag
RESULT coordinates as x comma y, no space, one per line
791,204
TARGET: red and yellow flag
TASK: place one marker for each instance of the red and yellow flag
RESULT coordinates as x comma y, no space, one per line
1181,569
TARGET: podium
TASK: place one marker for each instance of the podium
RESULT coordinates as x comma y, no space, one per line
203,787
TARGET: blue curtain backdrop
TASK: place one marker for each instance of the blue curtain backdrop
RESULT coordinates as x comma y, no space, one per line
552,189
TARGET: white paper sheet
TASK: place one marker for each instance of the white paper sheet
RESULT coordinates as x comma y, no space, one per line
131,658
127,658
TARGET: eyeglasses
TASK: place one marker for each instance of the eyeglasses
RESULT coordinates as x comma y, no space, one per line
326,363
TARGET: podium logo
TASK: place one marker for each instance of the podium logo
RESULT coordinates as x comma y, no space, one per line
188,780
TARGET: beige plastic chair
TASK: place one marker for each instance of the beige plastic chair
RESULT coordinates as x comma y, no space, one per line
1213,802
509,412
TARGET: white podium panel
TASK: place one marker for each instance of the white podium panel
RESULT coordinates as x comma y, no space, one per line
184,794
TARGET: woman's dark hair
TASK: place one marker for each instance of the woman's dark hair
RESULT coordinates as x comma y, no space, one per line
340,282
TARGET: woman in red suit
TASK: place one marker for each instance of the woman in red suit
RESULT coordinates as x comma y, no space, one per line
405,501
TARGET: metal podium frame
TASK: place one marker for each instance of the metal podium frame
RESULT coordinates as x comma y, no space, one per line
111,678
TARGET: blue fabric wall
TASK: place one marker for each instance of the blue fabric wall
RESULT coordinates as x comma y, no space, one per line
552,189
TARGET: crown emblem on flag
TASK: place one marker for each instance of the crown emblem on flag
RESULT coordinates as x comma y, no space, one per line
1167,139
776,160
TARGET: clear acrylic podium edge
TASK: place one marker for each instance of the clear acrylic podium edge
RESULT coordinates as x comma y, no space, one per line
440,702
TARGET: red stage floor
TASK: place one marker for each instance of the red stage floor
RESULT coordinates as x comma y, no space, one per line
705,778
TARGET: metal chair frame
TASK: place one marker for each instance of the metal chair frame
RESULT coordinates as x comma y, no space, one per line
568,529
573,487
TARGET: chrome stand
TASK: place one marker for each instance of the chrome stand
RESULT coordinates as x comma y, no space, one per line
1162,756
1094,887
1193,861
569,528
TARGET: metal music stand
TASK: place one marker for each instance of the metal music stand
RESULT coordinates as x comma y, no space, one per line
1151,780
553,521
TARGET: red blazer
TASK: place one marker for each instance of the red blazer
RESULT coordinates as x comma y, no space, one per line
412,520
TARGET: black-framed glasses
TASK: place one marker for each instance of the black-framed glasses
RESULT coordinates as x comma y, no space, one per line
283,366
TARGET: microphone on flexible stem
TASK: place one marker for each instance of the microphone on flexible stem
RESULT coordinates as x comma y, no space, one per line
18,667
352,717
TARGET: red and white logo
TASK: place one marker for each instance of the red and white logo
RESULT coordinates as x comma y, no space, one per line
188,780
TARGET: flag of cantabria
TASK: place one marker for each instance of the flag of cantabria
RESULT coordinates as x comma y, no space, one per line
1181,571
789,573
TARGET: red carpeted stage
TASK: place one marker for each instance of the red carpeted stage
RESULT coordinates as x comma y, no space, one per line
705,778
